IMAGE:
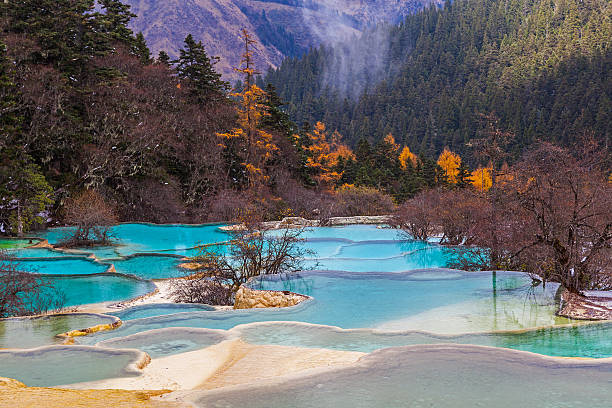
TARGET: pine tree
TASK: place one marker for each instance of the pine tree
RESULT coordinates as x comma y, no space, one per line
163,58
114,21
363,151
140,49
24,191
66,32
463,176
277,118
197,69
256,145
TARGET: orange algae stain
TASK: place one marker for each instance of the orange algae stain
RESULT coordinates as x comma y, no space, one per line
84,332
15,394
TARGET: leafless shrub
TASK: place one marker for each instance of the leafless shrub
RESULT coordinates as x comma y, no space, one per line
354,201
198,289
563,219
92,218
551,218
26,293
417,215
253,251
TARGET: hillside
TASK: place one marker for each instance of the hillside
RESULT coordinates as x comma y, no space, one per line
280,27
542,68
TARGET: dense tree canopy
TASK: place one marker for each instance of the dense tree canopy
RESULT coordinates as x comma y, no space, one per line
542,67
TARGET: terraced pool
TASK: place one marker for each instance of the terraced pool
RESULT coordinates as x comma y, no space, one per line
372,289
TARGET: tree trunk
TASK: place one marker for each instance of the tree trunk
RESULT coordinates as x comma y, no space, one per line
19,220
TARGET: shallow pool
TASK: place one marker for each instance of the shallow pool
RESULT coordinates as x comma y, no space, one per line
397,301
100,288
39,253
40,331
61,365
14,243
62,266
167,342
133,238
161,309
150,267
582,340
434,376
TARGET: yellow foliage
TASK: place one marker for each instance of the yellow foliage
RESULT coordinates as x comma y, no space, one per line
257,146
481,179
405,157
450,163
324,155
390,140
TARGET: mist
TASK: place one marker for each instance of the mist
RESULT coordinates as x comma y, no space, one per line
359,47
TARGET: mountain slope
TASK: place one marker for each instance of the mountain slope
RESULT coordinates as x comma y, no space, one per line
281,27
542,68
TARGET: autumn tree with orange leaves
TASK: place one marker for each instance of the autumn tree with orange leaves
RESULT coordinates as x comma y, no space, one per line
481,179
255,146
407,158
323,153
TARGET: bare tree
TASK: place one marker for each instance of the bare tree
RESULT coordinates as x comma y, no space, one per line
417,216
92,218
254,250
199,288
565,231
459,214
26,293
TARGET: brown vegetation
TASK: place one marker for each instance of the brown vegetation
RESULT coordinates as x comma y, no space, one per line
549,215
92,219
25,293
252,251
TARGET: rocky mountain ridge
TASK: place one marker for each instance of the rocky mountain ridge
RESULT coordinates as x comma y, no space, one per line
281,27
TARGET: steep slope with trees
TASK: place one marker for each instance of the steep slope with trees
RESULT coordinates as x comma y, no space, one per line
541,67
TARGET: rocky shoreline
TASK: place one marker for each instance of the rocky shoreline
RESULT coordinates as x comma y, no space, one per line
253,299
299,222
593,306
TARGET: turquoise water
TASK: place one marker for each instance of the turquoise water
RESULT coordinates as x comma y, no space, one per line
143,311
352,233
135,238
61,365
40,331
363,299
434,376
150,267
584,340
381,249
37,253
391,301
63,266
163,343
100,288
430,257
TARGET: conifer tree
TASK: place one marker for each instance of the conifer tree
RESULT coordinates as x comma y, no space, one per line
141,50
66,32
163,58
10,115
257,146
463,176
198,69
24,191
